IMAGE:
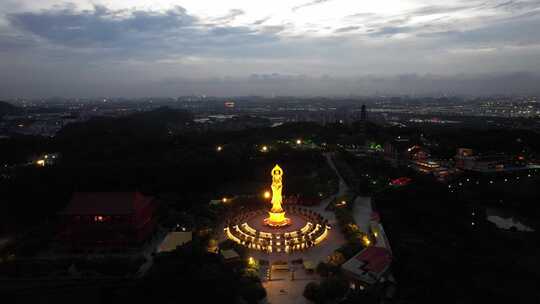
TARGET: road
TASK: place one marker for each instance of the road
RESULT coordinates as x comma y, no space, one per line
283,290
362,204
362,212
343,187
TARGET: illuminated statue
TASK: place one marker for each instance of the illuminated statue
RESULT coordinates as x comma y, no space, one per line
277,214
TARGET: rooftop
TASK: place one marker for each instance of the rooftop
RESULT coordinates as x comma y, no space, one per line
369,265
174,240
229,254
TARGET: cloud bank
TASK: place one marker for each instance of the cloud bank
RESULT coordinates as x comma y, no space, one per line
108,47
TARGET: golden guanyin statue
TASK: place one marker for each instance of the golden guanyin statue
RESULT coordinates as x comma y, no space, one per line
277,214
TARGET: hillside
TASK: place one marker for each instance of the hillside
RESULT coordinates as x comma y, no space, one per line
7,108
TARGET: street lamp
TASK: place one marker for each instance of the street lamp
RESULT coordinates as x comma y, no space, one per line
366,240
251,262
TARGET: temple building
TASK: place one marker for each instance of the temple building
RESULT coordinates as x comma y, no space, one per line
369,267
107,219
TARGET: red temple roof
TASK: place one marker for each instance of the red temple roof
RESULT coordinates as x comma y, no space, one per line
402,181
376,259
106,203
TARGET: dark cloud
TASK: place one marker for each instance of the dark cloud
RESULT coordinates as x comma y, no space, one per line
274,29
308,4
233,13
361,15
121,49
11,42
346,29
136,31
223,31
101,26
261,21
509,33
441,9
389,31
517,5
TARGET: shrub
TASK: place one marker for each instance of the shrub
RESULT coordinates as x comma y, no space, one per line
312,292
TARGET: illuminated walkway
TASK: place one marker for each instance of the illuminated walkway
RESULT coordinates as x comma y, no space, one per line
362,212
284,291
362,205
317,253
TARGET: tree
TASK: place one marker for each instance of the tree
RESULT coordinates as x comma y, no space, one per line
322,269
333,288
251,288
336,258
312,292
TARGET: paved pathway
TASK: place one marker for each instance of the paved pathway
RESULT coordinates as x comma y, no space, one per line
362,212
154,243
283,290
362,205
343,188
318,253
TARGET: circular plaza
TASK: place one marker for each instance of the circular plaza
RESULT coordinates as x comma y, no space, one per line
280,229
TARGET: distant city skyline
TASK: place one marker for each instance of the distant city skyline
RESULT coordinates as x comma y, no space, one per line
302,47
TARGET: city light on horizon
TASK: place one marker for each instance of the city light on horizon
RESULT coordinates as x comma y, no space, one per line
317,151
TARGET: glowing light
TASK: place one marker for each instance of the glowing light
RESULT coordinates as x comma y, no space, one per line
224,200
366,240
310,235
298,141
277,214
341,204
40,162
267,195
264,149
231,236
219,148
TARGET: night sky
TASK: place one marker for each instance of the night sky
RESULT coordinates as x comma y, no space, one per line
242,47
